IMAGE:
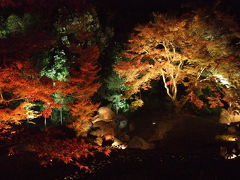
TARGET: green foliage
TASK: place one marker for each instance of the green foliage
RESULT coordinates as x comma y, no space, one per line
56,116
115,83
113,86
64,113
112,91
118,103
15,24
86,23
55,63
63,100
55,66
117,53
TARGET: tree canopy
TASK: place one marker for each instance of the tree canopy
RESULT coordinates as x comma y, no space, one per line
49,63
195,51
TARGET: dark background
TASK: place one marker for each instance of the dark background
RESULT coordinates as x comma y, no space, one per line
123,15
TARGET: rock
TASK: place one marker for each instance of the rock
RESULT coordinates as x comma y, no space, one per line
118,144
104,125
104,129
139,143
228,117
108,126
104,114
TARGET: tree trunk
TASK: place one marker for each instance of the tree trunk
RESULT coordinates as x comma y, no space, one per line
45,122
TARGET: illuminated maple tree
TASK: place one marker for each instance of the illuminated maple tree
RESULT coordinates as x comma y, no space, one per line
22,84
81,85
22,80
188,51
69,84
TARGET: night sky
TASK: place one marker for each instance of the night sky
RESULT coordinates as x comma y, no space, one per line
124,15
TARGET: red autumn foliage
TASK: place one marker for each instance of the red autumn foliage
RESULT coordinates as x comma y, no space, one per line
24,83
195,100
47,112
54,145
82,84
70,151
21,80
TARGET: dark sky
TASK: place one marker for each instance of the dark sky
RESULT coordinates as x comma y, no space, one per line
123,15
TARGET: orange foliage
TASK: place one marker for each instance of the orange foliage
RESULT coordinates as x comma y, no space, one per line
52,145
215,101
14,116
24,83
82,112
195,100
81,85
22,80
182,51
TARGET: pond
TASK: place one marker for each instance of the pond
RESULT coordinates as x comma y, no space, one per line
188,150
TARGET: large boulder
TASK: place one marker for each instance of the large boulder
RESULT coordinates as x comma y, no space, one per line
107,131
106,125
228,117
104,129
104,114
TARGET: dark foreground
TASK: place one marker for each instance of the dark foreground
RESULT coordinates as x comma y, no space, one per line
128,164
189,151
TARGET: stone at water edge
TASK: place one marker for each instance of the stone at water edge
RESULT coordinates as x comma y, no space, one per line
228,117
139,143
